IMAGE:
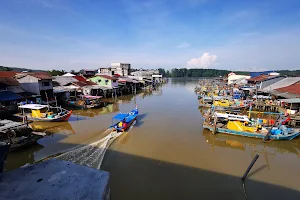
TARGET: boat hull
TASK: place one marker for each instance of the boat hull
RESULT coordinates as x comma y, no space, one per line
129,119
253,135
64,117
126,127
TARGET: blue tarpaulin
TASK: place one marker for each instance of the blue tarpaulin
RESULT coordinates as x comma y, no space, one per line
9,96
120,116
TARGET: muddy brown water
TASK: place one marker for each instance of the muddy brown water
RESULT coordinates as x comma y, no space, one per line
167,155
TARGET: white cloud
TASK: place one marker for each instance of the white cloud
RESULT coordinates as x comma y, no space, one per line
205,61
183,45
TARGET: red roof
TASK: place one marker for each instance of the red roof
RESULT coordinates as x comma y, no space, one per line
79,78
108,77
39,75
293,89
9,81
117,75
7,73
82,81
261,77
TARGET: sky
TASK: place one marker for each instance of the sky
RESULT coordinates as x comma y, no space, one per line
251,35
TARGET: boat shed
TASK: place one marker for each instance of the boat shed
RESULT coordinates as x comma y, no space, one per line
293,105
292,91
263,81
282,83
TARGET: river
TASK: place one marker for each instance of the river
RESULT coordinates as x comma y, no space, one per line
167,155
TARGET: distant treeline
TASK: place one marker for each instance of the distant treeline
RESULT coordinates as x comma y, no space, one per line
183,72
17,69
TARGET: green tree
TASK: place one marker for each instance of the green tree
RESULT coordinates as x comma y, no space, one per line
56,72
162,72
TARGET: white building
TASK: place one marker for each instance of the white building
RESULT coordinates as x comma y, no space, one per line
36,83
145,73
234,78
105,71
120,68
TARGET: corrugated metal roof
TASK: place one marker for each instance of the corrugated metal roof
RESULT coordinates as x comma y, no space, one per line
284,94
293,89
9,81
40,75
64,80
262,77
7,73
282,83
83,81
292,100
108,77
254,74
9,96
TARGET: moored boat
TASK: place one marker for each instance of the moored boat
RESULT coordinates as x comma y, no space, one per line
242,126
124,120
85,102
46,113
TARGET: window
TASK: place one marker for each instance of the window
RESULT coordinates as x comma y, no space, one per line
99,81
114,81
45,84
106,81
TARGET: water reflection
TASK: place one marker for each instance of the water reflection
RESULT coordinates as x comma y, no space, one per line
23,156
110,108
251,145
53,127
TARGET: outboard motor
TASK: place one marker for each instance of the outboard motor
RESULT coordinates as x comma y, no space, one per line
4,149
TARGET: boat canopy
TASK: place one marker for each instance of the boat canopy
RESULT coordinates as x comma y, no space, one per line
90,97
120,116
33,106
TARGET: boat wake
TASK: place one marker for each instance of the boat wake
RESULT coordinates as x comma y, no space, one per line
92,155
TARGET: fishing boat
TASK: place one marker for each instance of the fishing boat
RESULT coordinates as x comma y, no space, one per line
242,126
85,102
124,120
205,101
46,113
221,103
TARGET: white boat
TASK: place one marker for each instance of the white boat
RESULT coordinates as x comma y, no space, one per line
38,112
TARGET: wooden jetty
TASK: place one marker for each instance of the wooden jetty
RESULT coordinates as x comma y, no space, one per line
266,107
17,134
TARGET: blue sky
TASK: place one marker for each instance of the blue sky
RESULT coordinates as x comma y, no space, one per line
76,34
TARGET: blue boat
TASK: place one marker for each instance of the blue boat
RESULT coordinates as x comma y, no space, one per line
122,121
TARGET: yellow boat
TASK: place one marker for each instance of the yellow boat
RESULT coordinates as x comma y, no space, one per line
222,102
244,126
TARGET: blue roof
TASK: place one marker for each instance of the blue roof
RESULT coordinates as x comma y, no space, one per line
9,96
255,74
120,116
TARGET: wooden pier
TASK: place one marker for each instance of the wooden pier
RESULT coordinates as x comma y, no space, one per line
266,107
18,134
